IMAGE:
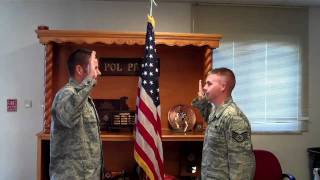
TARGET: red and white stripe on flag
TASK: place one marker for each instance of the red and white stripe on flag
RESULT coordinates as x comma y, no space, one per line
148,145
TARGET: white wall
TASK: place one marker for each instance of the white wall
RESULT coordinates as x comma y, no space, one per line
21,73
314,87
21,62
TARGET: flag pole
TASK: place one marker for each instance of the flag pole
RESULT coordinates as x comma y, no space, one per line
151,4
148,151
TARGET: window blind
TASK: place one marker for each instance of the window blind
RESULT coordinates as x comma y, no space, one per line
266,47
268,75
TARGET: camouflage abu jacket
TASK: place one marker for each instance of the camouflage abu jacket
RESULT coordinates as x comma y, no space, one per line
227,149
75,146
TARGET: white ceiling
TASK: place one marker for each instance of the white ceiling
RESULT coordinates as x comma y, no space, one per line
245,2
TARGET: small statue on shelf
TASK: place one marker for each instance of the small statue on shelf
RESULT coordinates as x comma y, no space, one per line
181,118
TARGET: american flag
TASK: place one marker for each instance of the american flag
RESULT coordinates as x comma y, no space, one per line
148,145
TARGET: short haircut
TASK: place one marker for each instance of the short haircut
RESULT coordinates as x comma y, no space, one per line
78,57
228,74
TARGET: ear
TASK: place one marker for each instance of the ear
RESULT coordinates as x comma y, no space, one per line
223,86
79,70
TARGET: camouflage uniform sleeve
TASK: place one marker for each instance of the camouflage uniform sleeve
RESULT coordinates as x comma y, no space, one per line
240,159
70,102
204,107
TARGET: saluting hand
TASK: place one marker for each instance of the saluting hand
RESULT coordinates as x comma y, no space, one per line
201,93
93,66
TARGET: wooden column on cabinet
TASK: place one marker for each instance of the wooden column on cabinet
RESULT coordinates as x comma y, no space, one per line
48,86
207,62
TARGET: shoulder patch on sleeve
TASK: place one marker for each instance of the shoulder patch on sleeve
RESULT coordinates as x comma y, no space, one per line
239,137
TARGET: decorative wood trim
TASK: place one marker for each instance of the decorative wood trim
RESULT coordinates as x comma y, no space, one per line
207,62
48,86
127,38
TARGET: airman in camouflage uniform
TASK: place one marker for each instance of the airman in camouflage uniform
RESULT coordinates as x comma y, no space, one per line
75,146
227,150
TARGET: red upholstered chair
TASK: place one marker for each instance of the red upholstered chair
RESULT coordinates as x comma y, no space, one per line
268,167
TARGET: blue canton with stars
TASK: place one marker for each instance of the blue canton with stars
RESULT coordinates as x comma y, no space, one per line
150,67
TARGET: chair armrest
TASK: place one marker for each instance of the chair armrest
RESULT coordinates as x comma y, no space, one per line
288,176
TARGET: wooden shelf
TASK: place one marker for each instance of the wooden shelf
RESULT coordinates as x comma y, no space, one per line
167,135
127,38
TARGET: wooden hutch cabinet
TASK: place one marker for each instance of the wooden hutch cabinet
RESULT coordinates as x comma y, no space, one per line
184,59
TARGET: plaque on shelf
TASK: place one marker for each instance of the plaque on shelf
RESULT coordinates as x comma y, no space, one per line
114,114
181,118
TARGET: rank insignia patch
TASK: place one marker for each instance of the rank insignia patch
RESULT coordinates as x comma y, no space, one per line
239,137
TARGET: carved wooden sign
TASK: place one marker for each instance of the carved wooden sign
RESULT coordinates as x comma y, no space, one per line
120,66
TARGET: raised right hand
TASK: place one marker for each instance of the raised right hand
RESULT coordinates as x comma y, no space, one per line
93,66
201,93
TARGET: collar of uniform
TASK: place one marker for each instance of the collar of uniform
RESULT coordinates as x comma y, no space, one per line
74,83
220,109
